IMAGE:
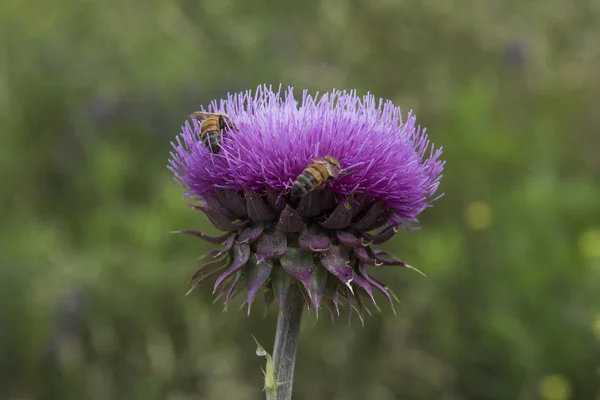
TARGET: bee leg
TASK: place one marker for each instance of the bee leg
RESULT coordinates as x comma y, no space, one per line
347,172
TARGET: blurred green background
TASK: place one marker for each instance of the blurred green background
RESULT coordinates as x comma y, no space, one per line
92,285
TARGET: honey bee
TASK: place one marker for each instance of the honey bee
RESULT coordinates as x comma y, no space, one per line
319,171
211,130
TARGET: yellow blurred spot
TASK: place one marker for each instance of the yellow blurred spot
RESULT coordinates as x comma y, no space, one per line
596,326
589,244
479,215
554,387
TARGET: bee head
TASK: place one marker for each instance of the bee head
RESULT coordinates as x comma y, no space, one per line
333,166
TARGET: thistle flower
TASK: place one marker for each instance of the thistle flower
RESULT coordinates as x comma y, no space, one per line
324,240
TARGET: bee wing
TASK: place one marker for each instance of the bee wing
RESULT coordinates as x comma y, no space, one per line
200,115
332,169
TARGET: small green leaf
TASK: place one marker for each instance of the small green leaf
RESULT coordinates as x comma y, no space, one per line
271,383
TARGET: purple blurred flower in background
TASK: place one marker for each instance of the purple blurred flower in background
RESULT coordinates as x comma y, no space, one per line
516,53
389,174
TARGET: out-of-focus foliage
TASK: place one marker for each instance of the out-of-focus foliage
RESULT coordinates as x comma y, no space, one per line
92,285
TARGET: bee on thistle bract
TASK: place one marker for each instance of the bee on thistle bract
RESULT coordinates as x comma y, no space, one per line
319,171
212,128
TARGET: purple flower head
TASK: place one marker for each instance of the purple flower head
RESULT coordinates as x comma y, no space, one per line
389,172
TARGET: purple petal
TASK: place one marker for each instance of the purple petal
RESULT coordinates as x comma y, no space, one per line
310,205
250,234
258,211
259,273
204,236
241,253
340,218
233,201
271,246
336,261
299,263
314,241
290,221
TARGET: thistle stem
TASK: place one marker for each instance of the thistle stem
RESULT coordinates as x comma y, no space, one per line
286,343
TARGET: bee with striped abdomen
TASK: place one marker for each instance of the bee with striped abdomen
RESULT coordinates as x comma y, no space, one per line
319,171
212,128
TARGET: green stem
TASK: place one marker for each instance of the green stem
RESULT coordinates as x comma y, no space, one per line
286,343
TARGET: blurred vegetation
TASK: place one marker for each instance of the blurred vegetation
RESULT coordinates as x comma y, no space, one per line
92,286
